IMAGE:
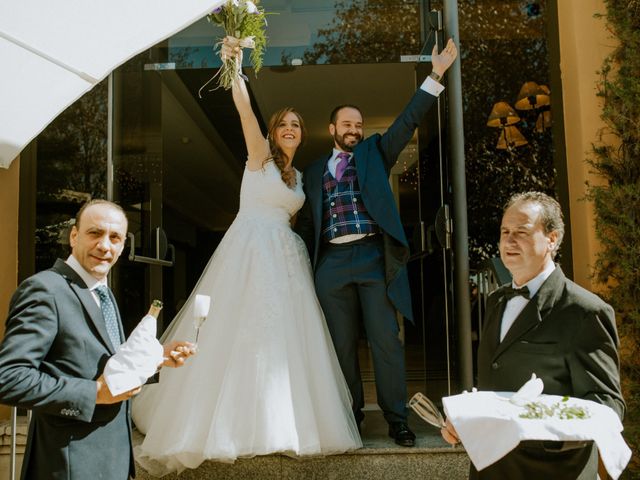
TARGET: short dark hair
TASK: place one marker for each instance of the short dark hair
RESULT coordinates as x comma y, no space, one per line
550,216
97,201
334,112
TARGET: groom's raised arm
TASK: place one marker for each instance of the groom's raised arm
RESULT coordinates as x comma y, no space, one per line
396,138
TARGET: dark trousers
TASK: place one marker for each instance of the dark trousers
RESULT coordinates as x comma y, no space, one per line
350,284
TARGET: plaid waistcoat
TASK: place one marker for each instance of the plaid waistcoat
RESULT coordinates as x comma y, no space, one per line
343,211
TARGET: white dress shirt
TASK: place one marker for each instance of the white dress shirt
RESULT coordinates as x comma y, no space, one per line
91,281
515,306
333,161
432,87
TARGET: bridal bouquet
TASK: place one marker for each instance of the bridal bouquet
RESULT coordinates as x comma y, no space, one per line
244,23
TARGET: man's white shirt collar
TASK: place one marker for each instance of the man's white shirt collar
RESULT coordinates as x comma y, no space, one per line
333,161
514,306
536,282
91,281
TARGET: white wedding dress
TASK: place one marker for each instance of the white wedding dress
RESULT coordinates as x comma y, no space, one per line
266,377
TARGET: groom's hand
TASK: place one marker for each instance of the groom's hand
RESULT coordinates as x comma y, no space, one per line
443,60
176,353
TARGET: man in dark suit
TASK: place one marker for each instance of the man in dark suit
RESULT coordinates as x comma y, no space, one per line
358,247
63,326
545,324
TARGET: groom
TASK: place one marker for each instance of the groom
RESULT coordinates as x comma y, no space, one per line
358,248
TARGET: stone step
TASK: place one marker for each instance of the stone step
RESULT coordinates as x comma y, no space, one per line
380,458
360,466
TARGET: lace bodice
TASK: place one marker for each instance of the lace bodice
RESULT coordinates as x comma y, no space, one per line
263,193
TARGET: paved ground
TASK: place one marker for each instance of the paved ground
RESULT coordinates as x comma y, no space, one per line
380,459
375,434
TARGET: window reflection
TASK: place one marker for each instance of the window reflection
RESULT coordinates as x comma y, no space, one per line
317,32
503,44
71,169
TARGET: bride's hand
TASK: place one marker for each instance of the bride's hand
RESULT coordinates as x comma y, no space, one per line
229,52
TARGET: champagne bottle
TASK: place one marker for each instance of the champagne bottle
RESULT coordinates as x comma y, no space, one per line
155,308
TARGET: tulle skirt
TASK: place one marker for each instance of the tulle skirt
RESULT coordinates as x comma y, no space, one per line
266,378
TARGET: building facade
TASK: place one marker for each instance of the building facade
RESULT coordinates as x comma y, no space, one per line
174,161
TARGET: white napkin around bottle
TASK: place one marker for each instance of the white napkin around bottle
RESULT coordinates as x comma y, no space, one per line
135,360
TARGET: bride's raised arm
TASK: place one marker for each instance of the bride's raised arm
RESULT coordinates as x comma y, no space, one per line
257,145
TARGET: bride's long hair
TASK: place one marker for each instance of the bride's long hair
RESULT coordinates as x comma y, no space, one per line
277,155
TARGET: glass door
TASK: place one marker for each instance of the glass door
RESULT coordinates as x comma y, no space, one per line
422,183
178,159
136,184
430,264
177,167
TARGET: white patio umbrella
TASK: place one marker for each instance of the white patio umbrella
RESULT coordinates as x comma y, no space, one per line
53,52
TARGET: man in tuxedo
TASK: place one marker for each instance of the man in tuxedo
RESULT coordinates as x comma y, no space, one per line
358,247
545,324
63,326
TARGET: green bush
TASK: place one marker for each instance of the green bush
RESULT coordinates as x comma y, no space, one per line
616,159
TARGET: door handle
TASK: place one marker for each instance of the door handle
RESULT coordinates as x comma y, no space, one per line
161,250
444,227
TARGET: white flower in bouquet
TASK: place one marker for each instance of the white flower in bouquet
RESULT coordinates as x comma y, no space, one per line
251,7
244,23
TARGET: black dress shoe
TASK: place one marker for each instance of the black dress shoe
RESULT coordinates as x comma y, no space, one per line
402,435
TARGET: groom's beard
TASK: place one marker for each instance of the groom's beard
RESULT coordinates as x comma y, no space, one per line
339,139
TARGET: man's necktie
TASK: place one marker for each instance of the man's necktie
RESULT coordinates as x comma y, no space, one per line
109,314
509,292
342,164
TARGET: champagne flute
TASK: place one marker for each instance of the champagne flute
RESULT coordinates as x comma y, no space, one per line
200,311
427,410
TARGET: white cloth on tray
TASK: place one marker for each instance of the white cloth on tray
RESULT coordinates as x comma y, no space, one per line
489,427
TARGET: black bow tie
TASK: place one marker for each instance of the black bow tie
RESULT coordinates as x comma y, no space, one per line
510,292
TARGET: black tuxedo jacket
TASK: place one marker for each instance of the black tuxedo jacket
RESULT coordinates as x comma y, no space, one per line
374,158
55,346
566,335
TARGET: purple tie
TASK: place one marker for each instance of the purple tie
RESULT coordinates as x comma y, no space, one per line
342,164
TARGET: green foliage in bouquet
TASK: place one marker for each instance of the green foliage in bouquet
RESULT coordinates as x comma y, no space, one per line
245,21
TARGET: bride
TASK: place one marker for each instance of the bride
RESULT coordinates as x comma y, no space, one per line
266,378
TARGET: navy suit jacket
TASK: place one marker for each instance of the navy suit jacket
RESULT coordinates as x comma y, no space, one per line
374,158
55,346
